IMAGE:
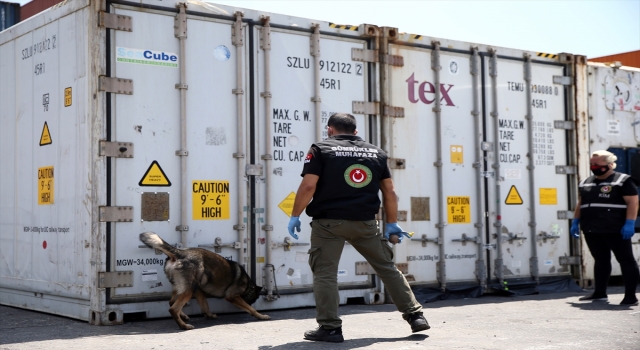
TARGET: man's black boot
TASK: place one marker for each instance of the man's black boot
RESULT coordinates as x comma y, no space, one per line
321,334
417,321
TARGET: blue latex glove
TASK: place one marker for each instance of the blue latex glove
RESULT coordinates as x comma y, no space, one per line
575,228
394,229
294,222
628,230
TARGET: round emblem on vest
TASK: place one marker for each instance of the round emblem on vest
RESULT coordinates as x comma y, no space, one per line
605,189
358,175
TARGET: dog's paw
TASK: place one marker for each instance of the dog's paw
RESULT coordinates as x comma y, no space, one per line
184,316
210,316
187,327
263,317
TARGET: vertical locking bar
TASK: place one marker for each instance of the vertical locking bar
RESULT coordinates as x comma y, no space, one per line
265,45
238,42
481,271
315,52
386,123
493,72
181,33
437,109
577,139
533,261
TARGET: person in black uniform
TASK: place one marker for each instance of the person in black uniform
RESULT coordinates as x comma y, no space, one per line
343,175
606,212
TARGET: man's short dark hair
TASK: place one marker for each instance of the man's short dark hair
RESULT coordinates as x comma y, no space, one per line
343,123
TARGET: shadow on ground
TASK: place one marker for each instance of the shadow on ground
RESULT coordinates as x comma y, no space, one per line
21,326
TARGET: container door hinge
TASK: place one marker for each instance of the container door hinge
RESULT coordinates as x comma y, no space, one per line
265,34
359,107
237,33
562,80
180,22
396,163
116,85
566,169
314,45
254,170
113,21
563,124
392,60
116,214
363,55
569,260
565,214
115,279
116,149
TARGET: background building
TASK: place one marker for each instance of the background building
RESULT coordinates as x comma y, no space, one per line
629,59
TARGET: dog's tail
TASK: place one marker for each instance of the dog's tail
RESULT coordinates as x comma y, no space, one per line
152,240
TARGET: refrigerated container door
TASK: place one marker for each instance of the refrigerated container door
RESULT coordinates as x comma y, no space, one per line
530,246
290,126
150,118
426,204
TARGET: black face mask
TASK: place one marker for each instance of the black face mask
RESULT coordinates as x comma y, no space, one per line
598,170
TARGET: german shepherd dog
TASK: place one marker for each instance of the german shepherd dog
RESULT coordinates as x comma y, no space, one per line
201,273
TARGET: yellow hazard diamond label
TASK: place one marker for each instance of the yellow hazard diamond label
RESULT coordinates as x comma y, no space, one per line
513,198
287,204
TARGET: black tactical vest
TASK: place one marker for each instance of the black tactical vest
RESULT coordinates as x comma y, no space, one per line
350,181
603,209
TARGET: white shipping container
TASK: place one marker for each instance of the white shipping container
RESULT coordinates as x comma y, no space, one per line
612,107
196,129
193,122
475,161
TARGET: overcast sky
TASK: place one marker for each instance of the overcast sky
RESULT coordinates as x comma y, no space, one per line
593,28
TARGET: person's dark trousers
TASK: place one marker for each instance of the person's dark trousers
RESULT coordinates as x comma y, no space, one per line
601,245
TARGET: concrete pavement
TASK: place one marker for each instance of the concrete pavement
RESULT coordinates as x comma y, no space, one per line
549,321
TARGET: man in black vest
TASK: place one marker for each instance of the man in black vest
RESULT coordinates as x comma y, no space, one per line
606,212
343,175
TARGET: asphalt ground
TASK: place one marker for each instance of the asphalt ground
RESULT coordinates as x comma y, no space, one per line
545,321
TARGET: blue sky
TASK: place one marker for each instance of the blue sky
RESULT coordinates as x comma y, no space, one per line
592,28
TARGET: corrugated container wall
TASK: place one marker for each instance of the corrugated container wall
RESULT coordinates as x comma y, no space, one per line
9,14
36,6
